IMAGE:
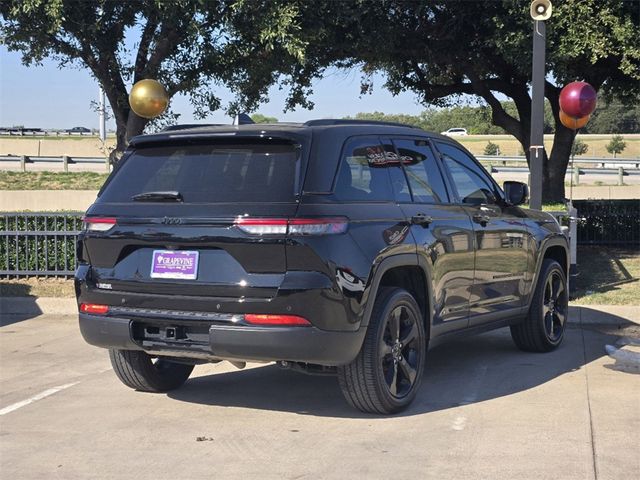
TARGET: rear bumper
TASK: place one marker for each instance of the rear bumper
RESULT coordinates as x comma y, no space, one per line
232,342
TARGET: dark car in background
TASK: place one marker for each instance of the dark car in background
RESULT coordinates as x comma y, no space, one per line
333,246
78,130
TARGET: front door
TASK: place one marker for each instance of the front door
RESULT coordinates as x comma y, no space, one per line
501,237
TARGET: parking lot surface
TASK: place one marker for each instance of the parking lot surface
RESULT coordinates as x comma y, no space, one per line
486,411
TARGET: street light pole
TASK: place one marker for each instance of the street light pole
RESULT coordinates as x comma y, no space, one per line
540,11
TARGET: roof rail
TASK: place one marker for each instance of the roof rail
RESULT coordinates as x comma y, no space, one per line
344,121
186,126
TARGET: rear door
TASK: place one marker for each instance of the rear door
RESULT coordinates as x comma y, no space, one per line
442,232
196,205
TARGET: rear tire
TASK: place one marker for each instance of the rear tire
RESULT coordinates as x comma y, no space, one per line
544,327
137,370
386,375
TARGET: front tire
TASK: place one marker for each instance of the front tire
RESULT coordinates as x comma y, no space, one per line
137,370
386,375
544,327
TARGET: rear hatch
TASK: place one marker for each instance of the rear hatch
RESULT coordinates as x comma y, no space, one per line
173,218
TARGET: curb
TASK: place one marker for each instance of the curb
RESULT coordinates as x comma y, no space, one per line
38,306
604,314
578,314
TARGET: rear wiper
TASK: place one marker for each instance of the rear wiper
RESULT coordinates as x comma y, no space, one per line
157,197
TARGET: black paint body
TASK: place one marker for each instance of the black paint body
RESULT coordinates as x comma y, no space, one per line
478,262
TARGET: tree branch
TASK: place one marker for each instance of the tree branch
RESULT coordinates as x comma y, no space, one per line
145,42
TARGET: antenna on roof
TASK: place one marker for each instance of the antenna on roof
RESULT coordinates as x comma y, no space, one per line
242,119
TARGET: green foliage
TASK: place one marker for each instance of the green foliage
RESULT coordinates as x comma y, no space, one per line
39,252
190,46
491,149
260,118
579,147
444,51
616,145
615,117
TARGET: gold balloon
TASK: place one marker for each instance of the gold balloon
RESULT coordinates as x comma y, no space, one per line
148,98
573,123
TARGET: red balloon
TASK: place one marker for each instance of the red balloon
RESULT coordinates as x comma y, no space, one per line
578,99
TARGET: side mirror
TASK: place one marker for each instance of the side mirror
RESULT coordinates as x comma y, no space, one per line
517,193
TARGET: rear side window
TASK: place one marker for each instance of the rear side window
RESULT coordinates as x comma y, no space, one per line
364,169
209,173
422,171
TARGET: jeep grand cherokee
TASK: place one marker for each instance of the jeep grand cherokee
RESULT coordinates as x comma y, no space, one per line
333,246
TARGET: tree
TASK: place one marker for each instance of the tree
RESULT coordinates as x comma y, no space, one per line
579,147
615,117
492,149
260,118
616,145
442,50
190,46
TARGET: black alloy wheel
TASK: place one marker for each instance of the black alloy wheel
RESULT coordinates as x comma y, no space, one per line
554,307
400,354
386,375
543,329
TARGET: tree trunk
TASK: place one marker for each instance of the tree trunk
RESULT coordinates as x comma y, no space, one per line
125,131
555,166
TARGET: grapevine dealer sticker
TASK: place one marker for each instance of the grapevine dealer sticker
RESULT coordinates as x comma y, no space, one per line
181,264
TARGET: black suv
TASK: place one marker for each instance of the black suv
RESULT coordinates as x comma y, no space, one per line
332,246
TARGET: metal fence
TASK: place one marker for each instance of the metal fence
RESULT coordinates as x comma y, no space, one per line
44,244
609,222
38,244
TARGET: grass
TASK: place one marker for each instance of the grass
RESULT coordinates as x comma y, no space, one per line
37,287
510,146
51,180
605,276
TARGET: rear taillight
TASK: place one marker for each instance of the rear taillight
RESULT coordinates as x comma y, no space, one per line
277,320
98,224
94,308
293,226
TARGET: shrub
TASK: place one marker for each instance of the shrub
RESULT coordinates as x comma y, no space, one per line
579,147
491,149
39,243
616,145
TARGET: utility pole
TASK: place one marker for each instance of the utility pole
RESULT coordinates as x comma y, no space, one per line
103,129
540,11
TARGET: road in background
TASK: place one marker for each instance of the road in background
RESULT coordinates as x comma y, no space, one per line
485,411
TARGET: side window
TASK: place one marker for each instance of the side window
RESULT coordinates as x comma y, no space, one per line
471,182
363,173
422,171
401,190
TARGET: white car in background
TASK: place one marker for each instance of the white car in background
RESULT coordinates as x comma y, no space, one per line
455,132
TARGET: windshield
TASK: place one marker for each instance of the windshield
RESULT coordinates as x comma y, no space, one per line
208,173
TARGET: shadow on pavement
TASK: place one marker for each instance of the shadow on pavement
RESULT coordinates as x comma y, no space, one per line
462,372
14,309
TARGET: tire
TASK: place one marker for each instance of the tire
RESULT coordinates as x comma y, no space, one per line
544,327
137,370
386,375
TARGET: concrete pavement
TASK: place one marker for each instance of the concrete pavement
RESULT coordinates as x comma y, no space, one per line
486,410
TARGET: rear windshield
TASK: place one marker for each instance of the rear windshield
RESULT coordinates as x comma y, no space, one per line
209,173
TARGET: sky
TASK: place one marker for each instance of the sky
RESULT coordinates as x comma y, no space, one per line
49,97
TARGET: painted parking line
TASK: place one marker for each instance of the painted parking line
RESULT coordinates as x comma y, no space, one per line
35,398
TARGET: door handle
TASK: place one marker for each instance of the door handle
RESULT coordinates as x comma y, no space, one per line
481,218
421,219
